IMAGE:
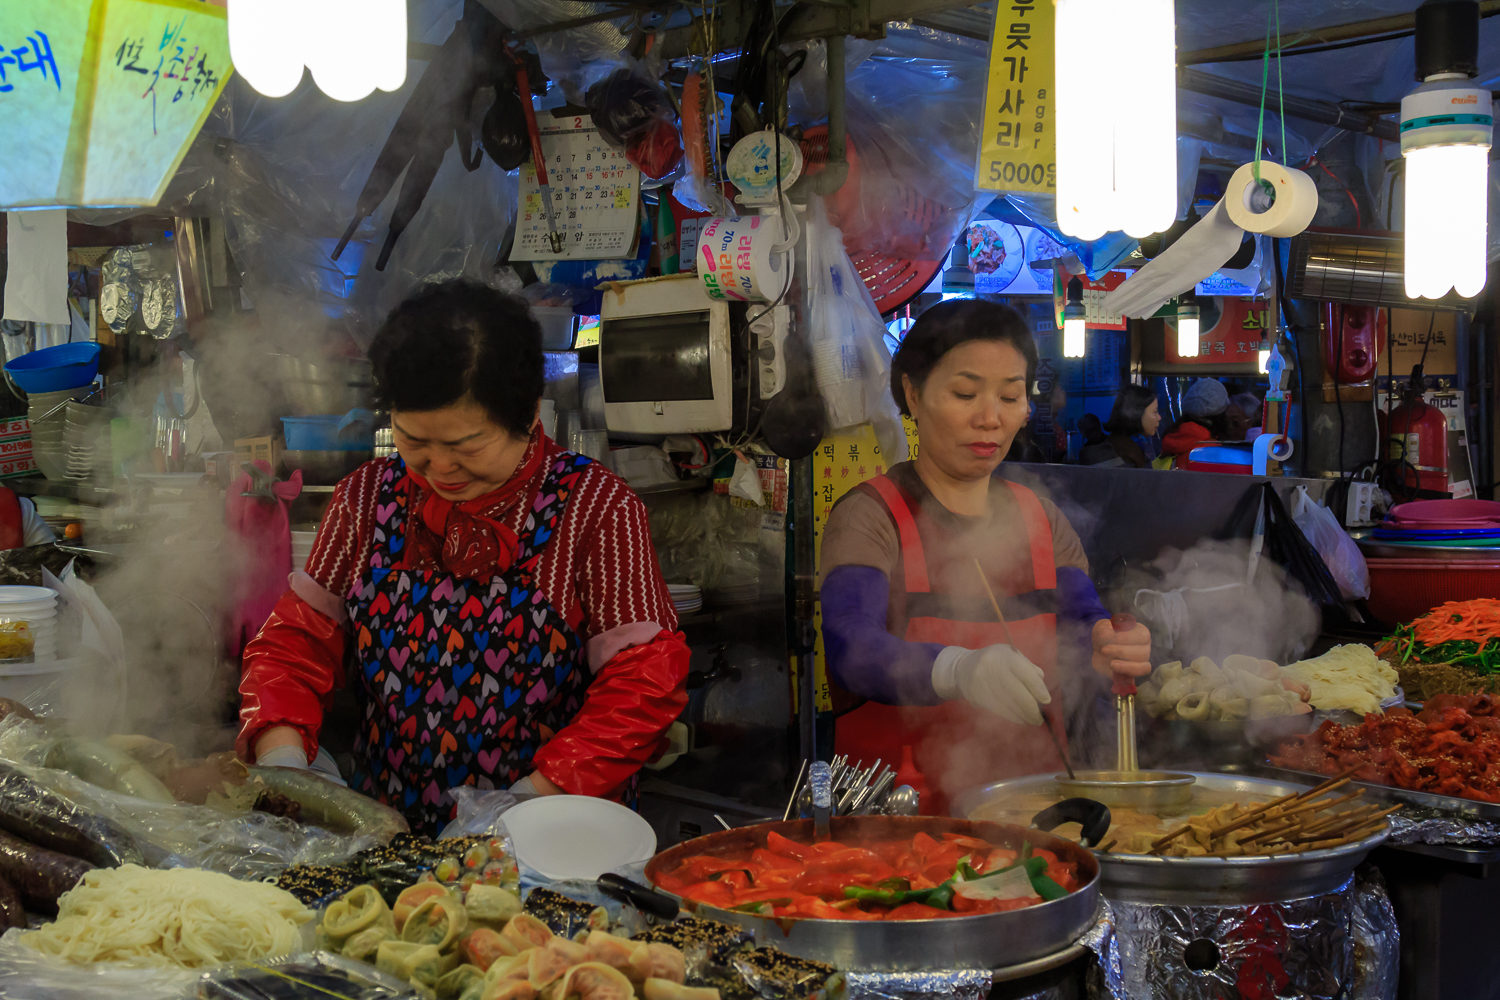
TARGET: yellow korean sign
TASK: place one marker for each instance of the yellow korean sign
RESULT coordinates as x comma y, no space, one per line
841,462
104,96
1018,144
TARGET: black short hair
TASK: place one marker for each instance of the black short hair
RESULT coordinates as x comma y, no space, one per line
946,325
1090,428
453,341
1131,404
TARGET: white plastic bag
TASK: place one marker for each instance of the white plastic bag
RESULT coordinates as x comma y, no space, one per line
851,363
1339,551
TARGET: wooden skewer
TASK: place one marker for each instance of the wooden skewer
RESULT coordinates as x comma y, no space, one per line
1274,831
1161,842
1313,806
1343,819
1337,781
1359,821
1106,847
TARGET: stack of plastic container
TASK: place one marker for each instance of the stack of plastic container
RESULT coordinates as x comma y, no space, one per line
37,608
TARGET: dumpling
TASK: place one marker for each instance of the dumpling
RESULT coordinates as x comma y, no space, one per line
1176,689
1206,668
1193,708
548,964
597,981
1167,672
527,931
362,946
665,989
483,946
668,962
455,984
439,921
1269,706
491,906
1228,703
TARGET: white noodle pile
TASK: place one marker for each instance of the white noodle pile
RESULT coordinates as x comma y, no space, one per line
182,917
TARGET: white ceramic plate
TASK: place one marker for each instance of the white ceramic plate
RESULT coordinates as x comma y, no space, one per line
577,836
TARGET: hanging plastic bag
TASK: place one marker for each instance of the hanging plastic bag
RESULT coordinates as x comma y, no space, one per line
851,363
1339,551
632,113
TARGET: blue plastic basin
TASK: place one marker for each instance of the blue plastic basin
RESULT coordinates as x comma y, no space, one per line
322,434
55,369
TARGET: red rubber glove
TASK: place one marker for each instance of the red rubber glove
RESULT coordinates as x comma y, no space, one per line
637,695
290,671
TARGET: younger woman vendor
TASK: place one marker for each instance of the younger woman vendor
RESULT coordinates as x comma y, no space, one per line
907,624
498,598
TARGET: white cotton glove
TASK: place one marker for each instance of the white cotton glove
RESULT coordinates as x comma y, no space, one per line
996,678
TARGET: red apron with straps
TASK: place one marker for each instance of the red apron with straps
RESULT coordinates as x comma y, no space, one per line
955,745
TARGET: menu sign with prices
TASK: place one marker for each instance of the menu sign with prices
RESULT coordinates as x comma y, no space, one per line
1018,143
105,96
595,195
1096,317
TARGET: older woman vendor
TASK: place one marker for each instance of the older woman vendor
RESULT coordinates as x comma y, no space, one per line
493,600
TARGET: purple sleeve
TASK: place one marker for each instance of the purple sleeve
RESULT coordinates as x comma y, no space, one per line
862,656
1077,600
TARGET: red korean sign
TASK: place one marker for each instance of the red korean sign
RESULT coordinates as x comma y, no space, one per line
1233,339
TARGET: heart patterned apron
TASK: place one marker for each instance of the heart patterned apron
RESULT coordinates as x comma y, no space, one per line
462,680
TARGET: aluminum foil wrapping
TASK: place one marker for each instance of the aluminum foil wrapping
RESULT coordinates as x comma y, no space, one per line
965,984
977,984
1377,938
1442,828
1299,948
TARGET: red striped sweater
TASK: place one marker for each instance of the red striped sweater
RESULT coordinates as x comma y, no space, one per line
599,570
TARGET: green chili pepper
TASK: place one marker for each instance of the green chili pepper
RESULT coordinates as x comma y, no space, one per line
1046,888
885,897
762,908
967,873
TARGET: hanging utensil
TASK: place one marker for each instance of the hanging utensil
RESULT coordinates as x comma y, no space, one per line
538,158
822,801
1046,716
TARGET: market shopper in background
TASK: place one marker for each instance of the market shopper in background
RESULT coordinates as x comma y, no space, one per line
907,623
499,599
1133,423
1204,418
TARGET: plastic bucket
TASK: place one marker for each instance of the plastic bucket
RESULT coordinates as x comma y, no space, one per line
55,369
322,434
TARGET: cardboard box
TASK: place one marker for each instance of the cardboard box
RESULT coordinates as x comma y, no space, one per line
260,449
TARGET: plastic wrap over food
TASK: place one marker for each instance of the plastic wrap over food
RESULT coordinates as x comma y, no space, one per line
320,974
29,974
1299,948
478,812
1430,827
249,846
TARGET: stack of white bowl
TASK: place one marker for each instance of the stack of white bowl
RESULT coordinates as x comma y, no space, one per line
49,445
686,598
85,431
302,543
37,606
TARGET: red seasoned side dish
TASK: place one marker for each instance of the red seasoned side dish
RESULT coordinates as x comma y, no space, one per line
917,879
1452,747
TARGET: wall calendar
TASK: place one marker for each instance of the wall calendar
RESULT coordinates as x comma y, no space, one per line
595,195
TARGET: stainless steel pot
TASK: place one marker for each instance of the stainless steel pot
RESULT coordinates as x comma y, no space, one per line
988,940
1129,789
322,389
1138,878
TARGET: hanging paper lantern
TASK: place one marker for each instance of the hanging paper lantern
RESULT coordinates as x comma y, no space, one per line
350,46
101,98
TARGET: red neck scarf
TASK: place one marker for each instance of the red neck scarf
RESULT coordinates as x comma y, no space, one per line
474,543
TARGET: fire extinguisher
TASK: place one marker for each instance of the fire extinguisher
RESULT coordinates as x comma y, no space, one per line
1416,436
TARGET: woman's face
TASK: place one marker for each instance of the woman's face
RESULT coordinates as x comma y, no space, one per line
1151,419
458,449
970,408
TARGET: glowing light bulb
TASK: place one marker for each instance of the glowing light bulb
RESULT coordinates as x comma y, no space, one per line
1074,337
351,47
1188,327
1446,208
1263,360
263,50
1116,158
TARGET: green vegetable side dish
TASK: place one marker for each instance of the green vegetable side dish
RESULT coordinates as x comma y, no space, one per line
1484,659
941,897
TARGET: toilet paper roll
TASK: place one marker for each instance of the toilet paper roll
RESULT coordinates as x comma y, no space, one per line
1293,210
1198,253
736,260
